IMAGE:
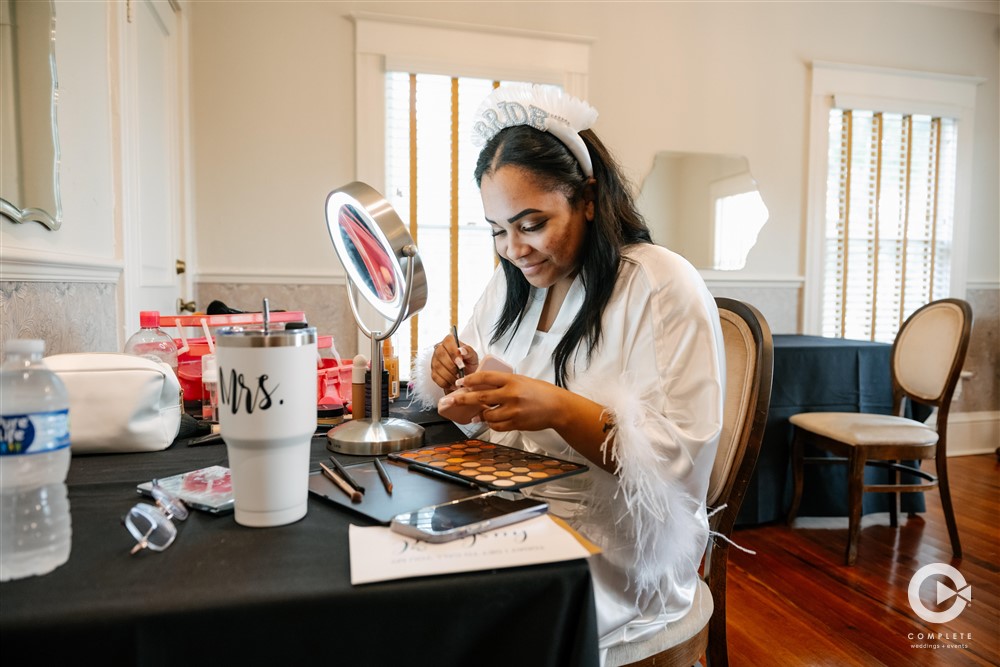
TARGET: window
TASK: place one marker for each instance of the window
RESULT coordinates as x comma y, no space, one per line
438,66
430,161
889,219
889,191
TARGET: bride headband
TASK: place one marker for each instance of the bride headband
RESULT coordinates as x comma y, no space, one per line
544,108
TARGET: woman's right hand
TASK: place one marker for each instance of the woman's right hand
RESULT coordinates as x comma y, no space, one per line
445,362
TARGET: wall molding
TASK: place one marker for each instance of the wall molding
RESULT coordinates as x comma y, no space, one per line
982,285
750,281
24,264
973,432
272,278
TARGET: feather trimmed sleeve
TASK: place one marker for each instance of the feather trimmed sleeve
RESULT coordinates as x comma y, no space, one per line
666,404
423,392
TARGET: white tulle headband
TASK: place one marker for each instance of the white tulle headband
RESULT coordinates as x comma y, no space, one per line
544,108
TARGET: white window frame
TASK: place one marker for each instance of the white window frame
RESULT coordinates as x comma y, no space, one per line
398,43
836,85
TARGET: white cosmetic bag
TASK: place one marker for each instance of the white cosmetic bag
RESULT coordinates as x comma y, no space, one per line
119,402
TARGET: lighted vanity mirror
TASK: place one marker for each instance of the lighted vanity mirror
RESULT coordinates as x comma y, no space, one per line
29,136
383,267
704,206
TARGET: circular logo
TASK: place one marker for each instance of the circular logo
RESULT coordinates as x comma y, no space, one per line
962,592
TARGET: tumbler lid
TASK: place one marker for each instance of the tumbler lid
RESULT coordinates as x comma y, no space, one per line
255,336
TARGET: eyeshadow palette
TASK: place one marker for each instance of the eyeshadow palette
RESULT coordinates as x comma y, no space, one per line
489,465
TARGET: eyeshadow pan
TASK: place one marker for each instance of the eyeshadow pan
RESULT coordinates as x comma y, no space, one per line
488,464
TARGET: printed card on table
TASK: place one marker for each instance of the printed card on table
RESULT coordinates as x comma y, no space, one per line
378,554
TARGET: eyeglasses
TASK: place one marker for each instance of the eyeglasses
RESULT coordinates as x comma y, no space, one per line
151,525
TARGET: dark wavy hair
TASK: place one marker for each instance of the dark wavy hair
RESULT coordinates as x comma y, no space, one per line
617,223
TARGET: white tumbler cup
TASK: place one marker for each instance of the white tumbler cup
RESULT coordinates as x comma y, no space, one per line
267,417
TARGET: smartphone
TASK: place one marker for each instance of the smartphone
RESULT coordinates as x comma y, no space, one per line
467,516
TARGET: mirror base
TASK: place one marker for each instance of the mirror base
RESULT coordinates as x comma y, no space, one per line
366,438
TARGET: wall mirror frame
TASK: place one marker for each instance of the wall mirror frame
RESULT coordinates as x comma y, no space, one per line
29,130
383,267
704,206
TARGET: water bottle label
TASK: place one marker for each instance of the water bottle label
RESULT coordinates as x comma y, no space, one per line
34,433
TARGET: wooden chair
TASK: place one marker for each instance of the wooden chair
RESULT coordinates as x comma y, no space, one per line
749,365
927,357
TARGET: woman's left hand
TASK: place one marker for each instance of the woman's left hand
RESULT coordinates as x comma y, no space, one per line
510,402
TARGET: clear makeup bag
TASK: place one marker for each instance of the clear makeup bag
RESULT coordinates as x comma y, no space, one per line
119,402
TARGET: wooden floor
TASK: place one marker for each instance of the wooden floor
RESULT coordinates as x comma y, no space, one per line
796,603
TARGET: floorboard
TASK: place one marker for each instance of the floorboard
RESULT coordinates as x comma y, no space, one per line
795,602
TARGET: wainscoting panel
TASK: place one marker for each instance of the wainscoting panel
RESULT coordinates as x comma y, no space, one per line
68,316
779,304
981,392
325,305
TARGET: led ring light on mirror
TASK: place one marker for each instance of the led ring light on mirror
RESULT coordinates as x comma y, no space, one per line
383,266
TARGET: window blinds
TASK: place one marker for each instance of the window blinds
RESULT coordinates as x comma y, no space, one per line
889,219
430,161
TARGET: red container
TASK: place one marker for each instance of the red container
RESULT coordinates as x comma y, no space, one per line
329,377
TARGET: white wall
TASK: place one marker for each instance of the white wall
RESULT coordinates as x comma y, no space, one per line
274,120
273,133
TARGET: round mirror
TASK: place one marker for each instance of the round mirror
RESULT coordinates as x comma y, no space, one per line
375,248
384,268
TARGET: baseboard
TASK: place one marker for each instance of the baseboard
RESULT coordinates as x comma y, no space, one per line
973,432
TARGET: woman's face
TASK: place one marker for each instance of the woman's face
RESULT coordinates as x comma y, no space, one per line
536,229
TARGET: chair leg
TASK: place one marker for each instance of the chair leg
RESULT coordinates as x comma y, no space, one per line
717,653
855,492
893,497
798,461
949,511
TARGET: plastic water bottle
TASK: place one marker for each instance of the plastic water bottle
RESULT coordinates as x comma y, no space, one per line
34,458
152,341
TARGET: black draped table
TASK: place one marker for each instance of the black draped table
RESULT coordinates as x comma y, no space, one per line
225,594
817,374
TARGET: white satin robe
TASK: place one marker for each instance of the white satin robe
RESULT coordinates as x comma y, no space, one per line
660,369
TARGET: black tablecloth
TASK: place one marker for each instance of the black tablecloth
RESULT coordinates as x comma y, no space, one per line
225,594
816,374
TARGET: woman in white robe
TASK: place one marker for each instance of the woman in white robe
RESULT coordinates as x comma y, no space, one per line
617,354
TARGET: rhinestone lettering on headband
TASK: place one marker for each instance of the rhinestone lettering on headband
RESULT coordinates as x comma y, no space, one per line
544,108
514,113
